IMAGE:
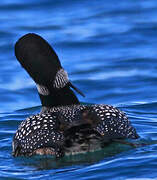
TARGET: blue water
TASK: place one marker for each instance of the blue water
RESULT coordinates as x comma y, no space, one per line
109,49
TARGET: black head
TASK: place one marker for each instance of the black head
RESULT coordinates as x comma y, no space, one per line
38,58
41,62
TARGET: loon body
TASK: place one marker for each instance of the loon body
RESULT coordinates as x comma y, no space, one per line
64,126
71,130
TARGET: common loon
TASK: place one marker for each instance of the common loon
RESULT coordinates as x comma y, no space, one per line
64,126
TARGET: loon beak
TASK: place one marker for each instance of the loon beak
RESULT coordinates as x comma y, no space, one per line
76,89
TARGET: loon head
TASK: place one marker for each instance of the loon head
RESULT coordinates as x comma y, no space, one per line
41,62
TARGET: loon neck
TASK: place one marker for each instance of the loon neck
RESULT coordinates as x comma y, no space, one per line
62,97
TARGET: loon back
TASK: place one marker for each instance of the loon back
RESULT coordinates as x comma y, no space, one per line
71,130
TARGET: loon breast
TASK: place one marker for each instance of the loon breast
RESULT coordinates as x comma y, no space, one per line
71,129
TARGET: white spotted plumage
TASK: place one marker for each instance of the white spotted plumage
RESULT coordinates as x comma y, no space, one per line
35,132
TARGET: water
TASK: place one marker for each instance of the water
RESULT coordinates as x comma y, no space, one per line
109,50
